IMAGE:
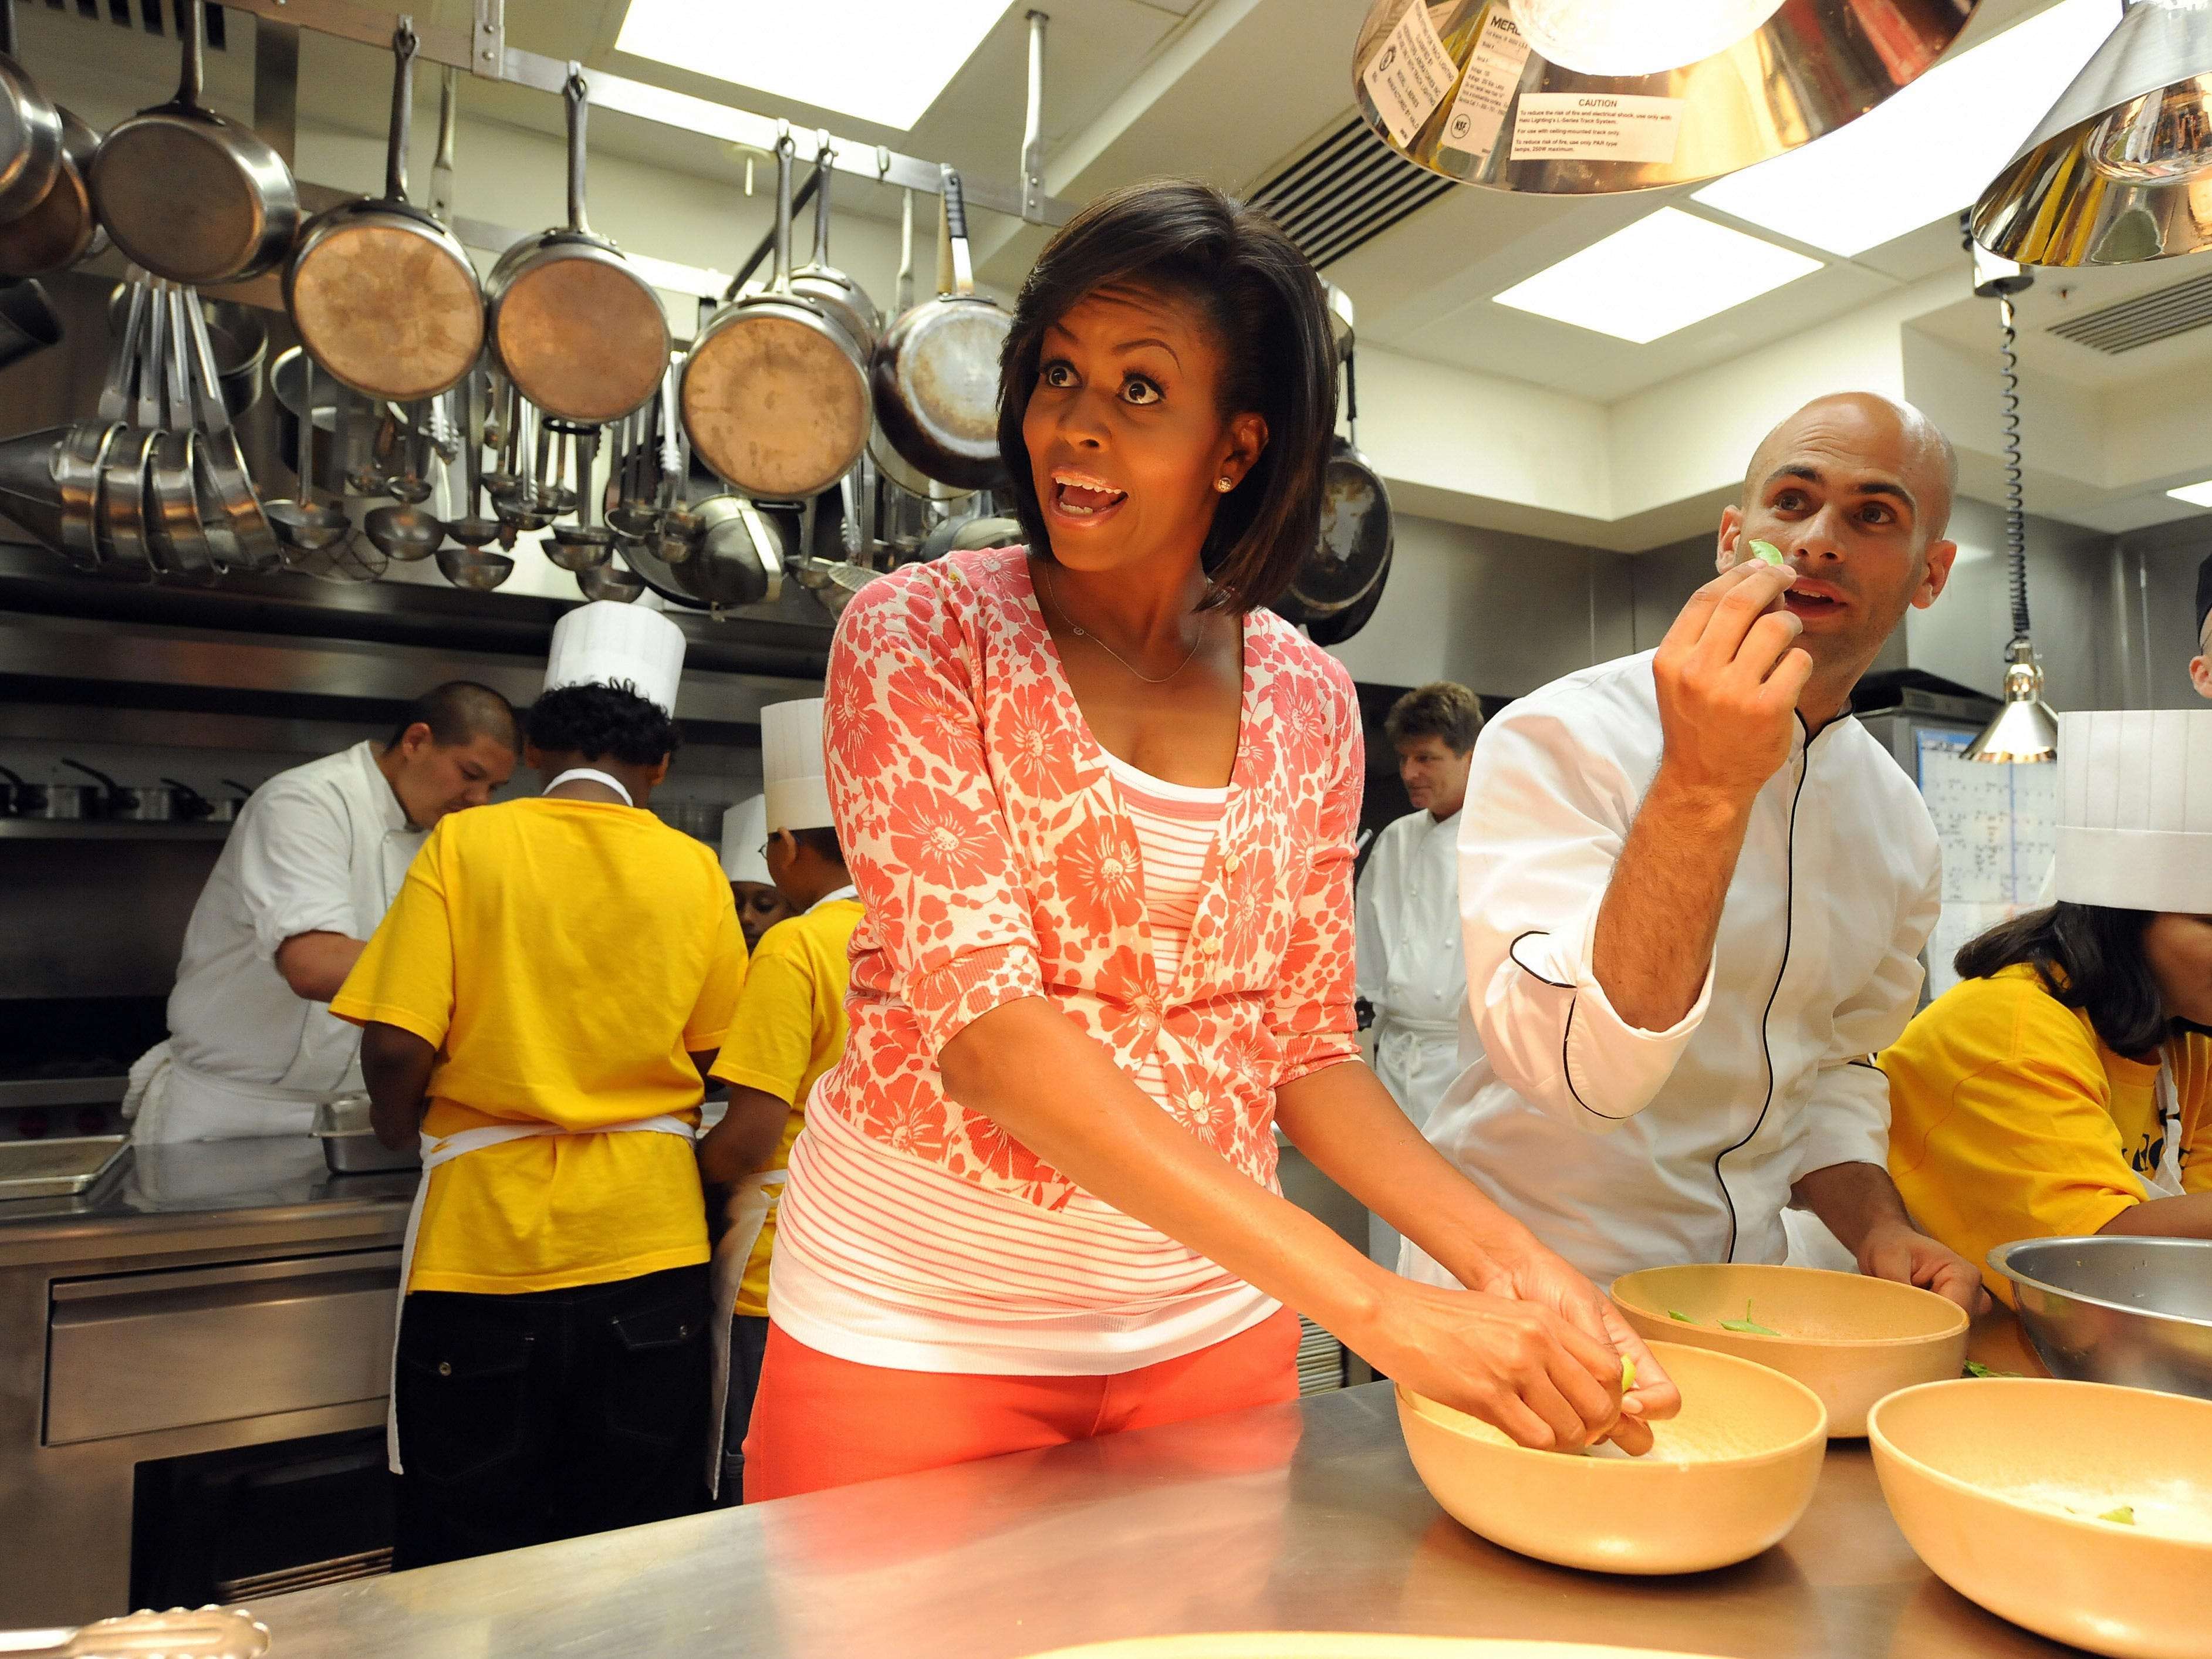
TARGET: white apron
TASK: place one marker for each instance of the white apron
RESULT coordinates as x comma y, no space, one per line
445,1151
732,1257
2166,1180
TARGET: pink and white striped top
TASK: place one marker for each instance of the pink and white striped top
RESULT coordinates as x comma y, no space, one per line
890,1261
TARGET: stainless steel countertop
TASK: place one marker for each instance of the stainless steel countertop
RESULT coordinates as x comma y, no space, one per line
1293,1517
166,1198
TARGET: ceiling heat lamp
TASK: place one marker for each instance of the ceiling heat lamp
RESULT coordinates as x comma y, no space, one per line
1595,97
2120,171
2025,730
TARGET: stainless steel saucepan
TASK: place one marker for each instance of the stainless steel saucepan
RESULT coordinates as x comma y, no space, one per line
572,324
382,294
776,392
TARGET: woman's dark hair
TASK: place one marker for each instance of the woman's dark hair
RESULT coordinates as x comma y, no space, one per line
1266,305
603,722
2089,957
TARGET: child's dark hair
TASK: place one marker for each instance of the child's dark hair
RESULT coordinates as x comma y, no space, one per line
603,722
822,841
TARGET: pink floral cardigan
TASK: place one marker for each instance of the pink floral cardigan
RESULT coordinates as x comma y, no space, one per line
987,838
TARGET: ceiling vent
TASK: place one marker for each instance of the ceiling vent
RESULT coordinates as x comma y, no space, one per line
160,18
1345,192
2144,320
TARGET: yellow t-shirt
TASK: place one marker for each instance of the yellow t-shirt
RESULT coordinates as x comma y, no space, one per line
789,1030
2010,1120
566,957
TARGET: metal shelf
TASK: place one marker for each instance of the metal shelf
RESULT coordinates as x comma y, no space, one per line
103,830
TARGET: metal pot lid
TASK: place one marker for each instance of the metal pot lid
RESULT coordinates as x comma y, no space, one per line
2116,172
1459,88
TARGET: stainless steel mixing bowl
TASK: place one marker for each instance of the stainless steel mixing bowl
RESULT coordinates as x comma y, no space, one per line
2135,1311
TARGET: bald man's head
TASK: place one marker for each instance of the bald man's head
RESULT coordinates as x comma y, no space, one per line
1873,431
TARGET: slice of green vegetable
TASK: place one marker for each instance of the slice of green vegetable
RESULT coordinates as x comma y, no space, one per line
2124,1515
1975,1368
1748,1326
1684,1317
1767,553
1627,1373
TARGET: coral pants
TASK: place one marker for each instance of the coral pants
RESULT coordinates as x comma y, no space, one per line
820,1422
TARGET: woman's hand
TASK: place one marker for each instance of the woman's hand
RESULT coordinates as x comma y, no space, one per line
1532,1274
1521,1366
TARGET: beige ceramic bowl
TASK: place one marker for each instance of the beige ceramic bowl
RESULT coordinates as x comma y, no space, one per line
1849,1338
1725,1479
1315,1644
1981,1476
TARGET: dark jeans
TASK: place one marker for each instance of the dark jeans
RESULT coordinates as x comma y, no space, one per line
748,1345
550,1414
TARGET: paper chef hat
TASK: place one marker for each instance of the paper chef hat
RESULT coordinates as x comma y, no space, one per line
603,642
744,827
791,763
2135,810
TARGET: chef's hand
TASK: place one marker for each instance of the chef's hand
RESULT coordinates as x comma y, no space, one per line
1532,1274
1729,672
1895,1251
1520,1366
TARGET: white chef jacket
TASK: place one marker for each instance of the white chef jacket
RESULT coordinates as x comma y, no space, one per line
321,848
1622,1148
1411,964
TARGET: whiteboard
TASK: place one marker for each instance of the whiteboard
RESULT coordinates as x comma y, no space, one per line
1996,824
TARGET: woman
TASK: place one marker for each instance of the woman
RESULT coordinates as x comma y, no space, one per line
2063,1086
1099,803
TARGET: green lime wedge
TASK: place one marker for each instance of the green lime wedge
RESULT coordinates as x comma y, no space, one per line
1627,1373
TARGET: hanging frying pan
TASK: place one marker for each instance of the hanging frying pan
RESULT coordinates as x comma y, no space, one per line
382,294
189,195
1336,629
573,326
30,129
775,396
829,289
935,373
1357,530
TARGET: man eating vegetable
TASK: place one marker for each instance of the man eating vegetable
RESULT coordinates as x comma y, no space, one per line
1694,893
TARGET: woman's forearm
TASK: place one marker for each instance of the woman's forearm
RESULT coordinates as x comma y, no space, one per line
1097,1128
2187,1217
1344,1120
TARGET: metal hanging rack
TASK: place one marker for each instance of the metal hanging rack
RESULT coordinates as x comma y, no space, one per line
481,50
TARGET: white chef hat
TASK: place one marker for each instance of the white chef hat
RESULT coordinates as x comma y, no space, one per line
2135,810
744,827
791,763
603,643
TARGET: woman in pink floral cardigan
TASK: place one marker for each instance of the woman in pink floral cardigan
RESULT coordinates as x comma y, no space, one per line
1100,803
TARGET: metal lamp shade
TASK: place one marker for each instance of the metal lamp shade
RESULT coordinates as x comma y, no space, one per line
2120,171
2025,732
1460,88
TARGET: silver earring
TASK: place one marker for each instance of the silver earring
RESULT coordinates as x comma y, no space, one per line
1224,485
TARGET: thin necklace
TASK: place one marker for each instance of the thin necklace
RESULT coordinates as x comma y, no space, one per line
1082,633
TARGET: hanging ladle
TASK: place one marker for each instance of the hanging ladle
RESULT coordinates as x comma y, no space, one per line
681,529
301,525
524,507
582,545
473,529
406,532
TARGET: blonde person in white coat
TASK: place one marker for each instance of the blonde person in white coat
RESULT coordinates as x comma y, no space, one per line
1412,971
315,861
1696,890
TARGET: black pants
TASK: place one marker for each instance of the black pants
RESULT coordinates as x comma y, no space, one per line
748,1347
550,1414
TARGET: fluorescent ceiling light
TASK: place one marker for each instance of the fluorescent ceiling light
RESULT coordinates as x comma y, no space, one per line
884,61
2197,494
1665,272
1927,152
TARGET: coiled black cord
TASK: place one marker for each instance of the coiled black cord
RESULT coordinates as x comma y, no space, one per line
2016,491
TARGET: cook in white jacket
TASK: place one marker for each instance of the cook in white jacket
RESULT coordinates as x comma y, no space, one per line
1695,892
308,872
1410,967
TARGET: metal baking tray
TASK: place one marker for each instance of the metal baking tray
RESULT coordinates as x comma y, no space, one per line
56,1169
349,1142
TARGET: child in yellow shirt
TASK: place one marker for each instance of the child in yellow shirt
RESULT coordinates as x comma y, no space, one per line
540,1005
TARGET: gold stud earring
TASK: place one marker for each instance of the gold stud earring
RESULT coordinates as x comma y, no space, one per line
1224,485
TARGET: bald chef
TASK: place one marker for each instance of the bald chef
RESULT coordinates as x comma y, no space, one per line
1696,890
315,861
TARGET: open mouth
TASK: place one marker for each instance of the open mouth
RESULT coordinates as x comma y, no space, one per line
1081,497
1807,605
